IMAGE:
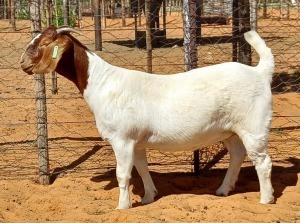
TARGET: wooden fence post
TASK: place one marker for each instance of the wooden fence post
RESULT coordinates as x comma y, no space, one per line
97,21
235,29
42,132
264,9
148,36
66,12
40,96
190,50
49,16
13,14
103,13
123,13
253,14
244,53
190,34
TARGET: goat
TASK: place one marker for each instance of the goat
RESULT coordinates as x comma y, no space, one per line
135,110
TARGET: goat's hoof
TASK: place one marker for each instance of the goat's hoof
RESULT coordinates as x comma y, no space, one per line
267,200
121,207
147,200
222,192
149,197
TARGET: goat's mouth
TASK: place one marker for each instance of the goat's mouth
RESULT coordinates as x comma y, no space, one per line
27,69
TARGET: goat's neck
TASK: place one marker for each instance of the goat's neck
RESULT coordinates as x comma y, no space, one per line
85,69
74,66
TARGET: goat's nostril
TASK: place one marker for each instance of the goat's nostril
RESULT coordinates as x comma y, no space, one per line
21,60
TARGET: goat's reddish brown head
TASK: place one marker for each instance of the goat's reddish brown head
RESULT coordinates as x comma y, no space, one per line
46,49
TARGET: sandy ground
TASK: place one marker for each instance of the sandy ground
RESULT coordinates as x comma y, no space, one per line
84,187
181,198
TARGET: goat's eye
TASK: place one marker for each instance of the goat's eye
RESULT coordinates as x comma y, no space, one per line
43,44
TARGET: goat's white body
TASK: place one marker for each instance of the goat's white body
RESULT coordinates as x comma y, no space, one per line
184,111
228,102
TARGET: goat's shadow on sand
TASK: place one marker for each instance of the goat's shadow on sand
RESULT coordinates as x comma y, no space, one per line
186,183
209,181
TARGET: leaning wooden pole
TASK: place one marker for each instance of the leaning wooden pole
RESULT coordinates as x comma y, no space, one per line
41,109
190,50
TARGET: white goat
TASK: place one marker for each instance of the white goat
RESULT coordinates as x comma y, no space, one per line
134,110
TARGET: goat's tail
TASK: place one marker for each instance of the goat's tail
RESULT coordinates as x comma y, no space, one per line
266,63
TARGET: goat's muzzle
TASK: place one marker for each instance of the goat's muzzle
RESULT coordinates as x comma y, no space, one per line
26,67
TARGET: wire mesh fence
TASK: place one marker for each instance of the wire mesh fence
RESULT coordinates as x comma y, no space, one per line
75,147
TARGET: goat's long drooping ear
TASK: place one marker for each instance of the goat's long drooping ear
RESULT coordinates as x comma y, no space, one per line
52,54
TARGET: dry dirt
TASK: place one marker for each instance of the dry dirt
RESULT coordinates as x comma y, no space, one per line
92,196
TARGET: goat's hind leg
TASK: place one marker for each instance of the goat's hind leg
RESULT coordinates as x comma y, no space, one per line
237,154
256,149
141,164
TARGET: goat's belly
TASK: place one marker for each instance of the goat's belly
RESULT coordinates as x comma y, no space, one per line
182,144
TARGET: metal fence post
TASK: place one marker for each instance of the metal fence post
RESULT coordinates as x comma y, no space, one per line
40,96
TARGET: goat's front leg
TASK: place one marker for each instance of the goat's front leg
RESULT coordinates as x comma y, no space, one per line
141,164
124,153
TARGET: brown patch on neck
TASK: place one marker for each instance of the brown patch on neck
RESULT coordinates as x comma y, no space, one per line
74,65
81,65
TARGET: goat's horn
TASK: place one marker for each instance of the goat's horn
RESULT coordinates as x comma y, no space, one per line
66,29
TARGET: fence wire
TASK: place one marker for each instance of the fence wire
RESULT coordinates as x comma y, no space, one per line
75,147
